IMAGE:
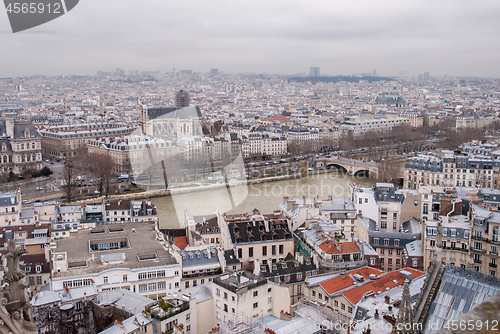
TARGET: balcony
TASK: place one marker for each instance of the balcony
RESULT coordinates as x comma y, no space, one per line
493,265
169,308
478,261
482,251
465,250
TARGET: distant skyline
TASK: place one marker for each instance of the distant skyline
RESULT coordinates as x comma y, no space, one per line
458,38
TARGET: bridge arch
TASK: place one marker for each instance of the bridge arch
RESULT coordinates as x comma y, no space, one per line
363,173
338,167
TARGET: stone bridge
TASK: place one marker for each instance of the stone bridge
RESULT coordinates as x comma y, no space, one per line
349,166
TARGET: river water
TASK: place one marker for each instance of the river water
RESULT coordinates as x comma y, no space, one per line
263,196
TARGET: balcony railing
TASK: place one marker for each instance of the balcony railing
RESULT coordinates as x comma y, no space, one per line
478,261
457,249
493,265
341,264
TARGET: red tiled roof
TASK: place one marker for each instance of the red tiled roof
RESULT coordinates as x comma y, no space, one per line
338,283
346,247
180,242
355,294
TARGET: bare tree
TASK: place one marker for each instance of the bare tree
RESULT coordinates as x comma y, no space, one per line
387,172
68,176
102,166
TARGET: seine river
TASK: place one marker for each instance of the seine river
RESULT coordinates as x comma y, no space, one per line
243,199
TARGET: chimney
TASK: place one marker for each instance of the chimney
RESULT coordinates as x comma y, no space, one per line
376,314
387,299
342,273
285,316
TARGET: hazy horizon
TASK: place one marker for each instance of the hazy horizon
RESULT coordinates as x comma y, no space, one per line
456,38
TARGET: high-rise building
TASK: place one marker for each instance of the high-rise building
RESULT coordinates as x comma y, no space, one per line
426,76
182,99
314,72
214,71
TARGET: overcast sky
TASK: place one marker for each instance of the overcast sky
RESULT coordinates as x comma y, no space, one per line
459,38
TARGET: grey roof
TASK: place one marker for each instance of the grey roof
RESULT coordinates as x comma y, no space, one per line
296,325
339,205
8,199
404,238
425,163
169,112
201,292
131,301
459,291
199,257
27,213
128,326
47,297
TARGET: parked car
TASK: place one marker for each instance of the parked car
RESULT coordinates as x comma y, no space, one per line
26,202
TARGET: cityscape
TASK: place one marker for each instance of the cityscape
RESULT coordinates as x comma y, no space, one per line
286,172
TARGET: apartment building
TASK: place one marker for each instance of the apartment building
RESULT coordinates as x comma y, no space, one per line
450,169
454,239
245,294
10,208
290,273
342,292
125,256
200,264
484,241
124,211
263,237
322,242
116,148
70,140
359,127
20,145
258,144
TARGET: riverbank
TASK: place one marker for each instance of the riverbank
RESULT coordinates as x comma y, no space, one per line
196,188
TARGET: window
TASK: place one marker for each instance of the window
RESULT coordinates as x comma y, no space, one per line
383,224
396,242
255,305
366,200
414,262
255,293
217,292
39,280
225,295
433,243
124,278
349,309
342,306
375,241
425,209
105,279
386,242
273,250
314,293
264,250
225,308
281,249
250,252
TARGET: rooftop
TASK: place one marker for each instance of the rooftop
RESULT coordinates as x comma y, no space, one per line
139,250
